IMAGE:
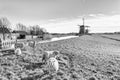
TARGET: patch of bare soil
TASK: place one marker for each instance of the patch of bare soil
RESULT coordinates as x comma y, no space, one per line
83,58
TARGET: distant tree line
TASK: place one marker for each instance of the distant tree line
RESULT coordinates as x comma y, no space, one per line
72,33
31,30
117,32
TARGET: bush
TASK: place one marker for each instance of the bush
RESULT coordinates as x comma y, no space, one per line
47,37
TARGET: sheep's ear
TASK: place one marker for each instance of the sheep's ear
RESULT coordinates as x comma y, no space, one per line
55,57
46,52
56,52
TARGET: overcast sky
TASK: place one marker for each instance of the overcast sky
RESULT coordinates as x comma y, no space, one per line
64,15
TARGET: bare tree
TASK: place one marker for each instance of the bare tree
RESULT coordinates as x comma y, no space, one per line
32,31
37,30
5,23
21,27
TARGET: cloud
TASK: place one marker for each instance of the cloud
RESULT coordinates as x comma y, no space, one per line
92,15
98,23
105,23
96,15
52,20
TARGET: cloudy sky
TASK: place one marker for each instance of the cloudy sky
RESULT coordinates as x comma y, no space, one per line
64,15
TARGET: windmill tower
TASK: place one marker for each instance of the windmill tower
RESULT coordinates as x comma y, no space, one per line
83,29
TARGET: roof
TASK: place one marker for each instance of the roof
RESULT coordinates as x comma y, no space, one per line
4,30
21,32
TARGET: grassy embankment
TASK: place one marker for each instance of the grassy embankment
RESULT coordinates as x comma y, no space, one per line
82,58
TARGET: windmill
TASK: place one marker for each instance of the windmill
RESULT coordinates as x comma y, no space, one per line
83,29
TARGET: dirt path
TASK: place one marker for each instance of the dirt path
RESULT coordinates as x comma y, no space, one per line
57,39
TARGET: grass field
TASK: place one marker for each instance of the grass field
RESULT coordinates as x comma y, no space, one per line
83,58
112,36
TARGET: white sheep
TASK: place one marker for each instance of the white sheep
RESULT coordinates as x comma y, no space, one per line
51,62
48,54
52,65
32,44
18,51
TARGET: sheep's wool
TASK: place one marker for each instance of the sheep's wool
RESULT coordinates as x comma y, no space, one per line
18,51
47,55
52,65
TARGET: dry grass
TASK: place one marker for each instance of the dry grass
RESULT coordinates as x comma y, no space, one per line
112,36
83,58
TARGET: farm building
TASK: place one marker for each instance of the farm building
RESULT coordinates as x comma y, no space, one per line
20,34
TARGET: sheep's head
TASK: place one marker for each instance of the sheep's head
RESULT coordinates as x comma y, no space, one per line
53,54
18,51
56,52
49,54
